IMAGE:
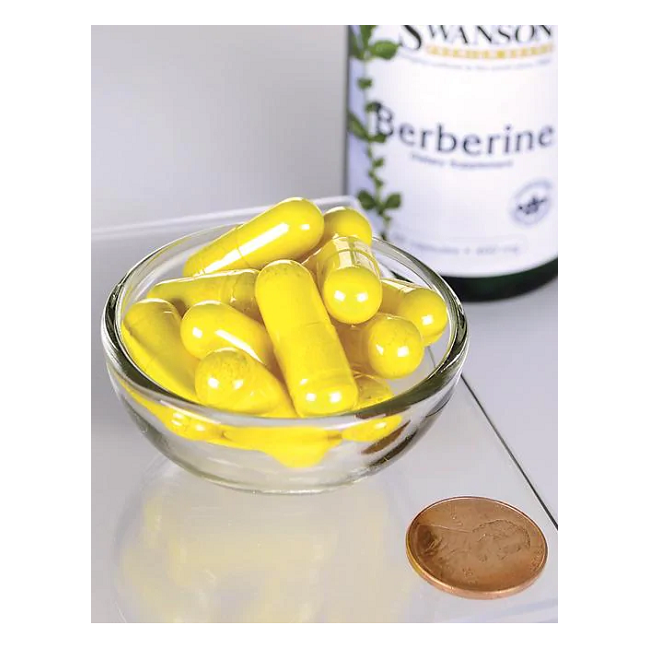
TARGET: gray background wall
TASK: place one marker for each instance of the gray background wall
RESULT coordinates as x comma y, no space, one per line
187,120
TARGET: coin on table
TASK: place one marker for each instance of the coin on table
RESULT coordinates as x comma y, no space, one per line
476,547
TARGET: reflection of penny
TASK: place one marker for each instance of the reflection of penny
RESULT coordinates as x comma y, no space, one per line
476,547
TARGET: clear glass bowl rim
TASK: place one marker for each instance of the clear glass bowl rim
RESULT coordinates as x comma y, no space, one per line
444,372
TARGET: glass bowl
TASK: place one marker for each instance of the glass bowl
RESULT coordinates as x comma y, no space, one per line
282,455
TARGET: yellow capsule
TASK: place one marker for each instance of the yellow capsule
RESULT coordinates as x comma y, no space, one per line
183,423
346,222
372,390
294,447
235,288
211,325
305,342
288,230
425,308
284,410
388,346
348,278
232,380
151,331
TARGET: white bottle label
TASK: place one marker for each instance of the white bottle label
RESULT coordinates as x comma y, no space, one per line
453,142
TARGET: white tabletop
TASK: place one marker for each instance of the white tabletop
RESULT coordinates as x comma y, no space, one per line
157,529
512,369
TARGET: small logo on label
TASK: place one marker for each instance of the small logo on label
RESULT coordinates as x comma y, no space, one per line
532,202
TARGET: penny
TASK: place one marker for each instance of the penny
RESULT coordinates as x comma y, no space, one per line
476,547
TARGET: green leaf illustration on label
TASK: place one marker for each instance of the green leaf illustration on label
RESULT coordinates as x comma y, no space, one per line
366,200
355,49
356,127
384,49
366,33
393,201
363,49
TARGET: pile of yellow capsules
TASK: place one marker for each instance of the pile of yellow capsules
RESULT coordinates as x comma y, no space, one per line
285,316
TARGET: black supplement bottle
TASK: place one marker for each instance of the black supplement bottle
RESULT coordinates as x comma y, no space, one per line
452,148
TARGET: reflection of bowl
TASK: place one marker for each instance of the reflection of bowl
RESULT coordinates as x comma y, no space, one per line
282,455
189,551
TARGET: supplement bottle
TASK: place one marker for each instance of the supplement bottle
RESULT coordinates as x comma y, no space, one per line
452,148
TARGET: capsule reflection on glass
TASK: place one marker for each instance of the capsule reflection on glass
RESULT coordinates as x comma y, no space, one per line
211,325
372,390
308,350
291,446
151,331
348,278
288,230
235,288
346,222
424,307
232,380
176,420
388,346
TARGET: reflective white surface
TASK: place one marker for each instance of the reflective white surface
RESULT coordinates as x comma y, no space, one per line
169,546
516,339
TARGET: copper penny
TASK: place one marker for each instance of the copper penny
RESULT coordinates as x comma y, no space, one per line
476,547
